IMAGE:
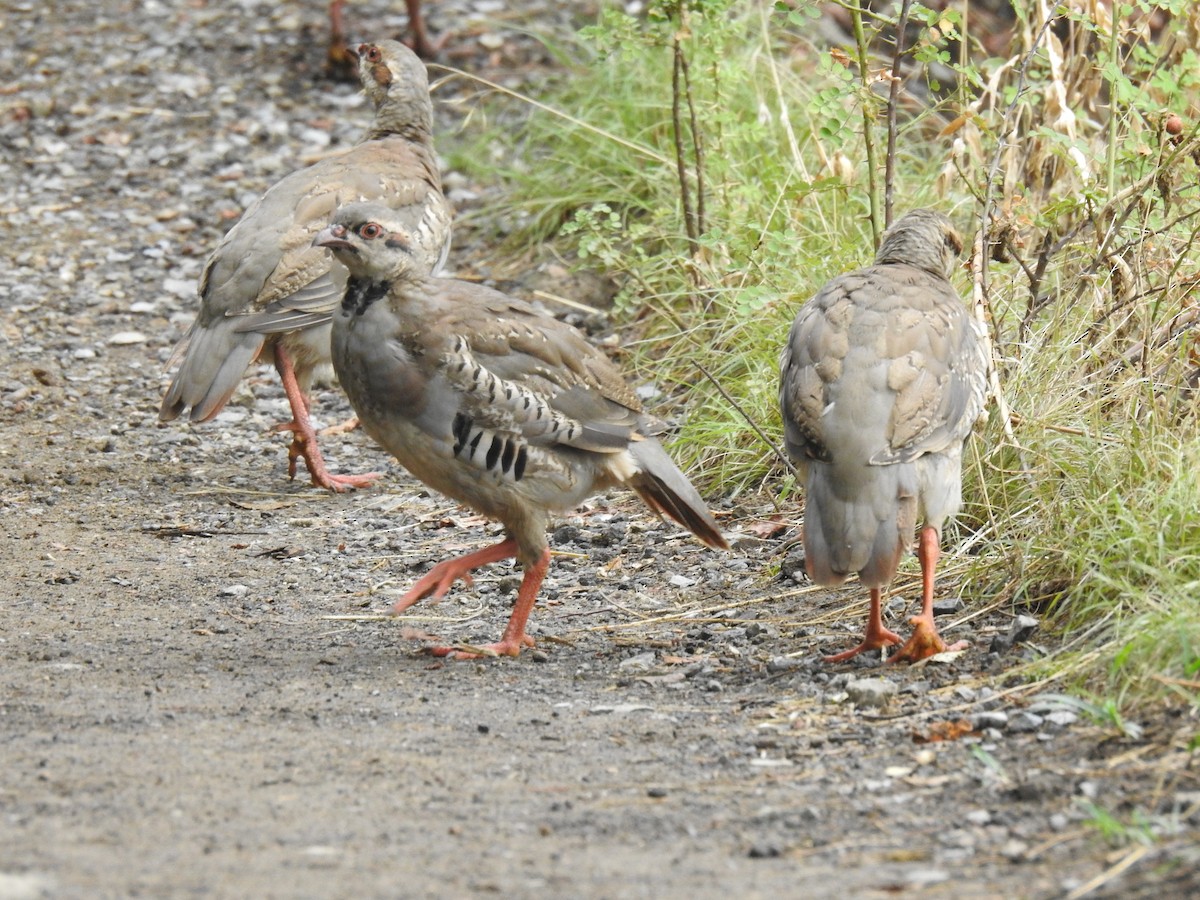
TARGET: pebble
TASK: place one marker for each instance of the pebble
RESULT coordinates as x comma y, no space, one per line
871,692
1061,718
234,590
640,662
1014,850
989,719
1024,722
123,338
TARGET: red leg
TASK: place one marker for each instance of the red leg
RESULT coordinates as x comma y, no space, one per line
420,38
304,440
514,637
925,640
876,636
439,579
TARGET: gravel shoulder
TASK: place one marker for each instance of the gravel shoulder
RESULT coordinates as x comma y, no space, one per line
200,696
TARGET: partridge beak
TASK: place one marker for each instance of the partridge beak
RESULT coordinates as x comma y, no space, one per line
332,238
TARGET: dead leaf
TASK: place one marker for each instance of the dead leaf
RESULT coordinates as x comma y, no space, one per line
767,528
944,731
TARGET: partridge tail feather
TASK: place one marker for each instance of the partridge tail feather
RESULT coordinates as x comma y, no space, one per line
214,361
665,490
863,531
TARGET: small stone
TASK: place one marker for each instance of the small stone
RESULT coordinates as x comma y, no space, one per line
979,817
947,606
871,692
656,792
483,729
234,590
124,338
1014,850
989,719
491,41
1061,718
640,662
782,664
681,581
765,851
919,878
1024,722
1022,628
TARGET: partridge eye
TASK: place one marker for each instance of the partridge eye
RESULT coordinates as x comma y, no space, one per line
371,231
373,54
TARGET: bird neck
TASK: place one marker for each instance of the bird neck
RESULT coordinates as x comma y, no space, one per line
361,293
407,117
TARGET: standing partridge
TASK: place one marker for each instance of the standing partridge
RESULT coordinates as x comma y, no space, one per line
491,402
883,377
266,293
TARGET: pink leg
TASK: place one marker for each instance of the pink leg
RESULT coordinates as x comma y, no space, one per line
514,637
876,636
304,440
925,640
439,579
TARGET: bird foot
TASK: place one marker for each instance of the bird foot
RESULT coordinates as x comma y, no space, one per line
924,643
436,582
302,448
875,639
504,647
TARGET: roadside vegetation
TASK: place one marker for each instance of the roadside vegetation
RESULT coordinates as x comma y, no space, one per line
722,159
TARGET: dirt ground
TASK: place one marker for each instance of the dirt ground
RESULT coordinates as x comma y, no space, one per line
200,694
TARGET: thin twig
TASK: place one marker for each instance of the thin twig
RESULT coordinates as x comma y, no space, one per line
889,173
639,149
864,76
685,193
783,457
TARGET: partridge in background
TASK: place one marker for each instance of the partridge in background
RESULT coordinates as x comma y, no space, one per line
491,402
266,293
883,377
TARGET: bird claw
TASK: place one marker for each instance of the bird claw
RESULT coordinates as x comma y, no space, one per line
871,641
483,651
924,643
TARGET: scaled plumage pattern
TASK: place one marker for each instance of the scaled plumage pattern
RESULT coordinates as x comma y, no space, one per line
491,402
882,379
267,293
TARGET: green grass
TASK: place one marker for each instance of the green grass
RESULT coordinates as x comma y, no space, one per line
1088,508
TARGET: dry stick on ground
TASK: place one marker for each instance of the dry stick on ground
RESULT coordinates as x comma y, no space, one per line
889,174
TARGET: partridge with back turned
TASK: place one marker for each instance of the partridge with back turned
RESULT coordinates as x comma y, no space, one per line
882,378
266,293
491,402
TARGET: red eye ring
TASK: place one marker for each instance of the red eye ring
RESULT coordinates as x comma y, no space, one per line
373,54
370,231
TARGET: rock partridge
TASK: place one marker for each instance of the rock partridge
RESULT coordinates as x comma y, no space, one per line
883,377
491,402
266,293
